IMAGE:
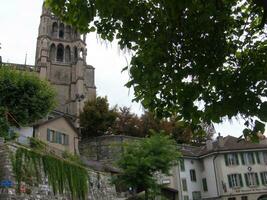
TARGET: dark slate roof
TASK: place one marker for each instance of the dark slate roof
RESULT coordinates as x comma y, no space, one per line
228,143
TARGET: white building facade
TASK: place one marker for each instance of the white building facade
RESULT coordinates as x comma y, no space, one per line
225,169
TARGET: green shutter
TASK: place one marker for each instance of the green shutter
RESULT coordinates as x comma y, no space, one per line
182,164
246,179
54,139
242,159
253,158
258,157
48,135
67,140
262,178
237,160
229,181
241,181
226,160
58,137
257,179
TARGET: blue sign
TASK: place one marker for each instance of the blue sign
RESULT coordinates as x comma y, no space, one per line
6,183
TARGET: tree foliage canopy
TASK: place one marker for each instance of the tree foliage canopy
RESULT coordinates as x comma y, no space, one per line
142,159
202,61
24,98
96,117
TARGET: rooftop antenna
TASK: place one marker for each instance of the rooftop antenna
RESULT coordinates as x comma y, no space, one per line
0,57
25,59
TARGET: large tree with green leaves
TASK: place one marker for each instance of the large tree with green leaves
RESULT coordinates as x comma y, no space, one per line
24,98
97,118
143,160
201,61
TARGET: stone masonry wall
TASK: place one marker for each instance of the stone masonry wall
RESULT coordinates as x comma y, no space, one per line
99,185
106,149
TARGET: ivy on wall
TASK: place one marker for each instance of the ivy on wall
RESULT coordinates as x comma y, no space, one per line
63,176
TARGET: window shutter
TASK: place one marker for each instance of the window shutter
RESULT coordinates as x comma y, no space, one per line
236,157
58,137
257,179
48,135
67,140
226,160
241,181
262,178
54,136
246,179
253,158
258,157
242,159
230,181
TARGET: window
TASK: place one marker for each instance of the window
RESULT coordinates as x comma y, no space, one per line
244,198
235,180
67,54
50,135
204,183
193,175
60,52
186,197
264,156
231,159
61,30
261,157
54,29
57,137
75,53
182,165
248,158
251,179
263,178
184,184
52,53
196,195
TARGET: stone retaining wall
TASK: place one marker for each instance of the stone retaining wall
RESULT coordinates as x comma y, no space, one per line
99,185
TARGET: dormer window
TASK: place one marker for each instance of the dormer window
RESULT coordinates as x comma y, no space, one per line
231,159
248,158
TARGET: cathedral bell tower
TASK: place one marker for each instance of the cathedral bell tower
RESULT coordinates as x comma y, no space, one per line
61,59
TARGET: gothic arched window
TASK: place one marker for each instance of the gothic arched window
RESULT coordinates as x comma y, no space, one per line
68,32
67,54
75,53
61,30
60,53
52,52
54,29
81,53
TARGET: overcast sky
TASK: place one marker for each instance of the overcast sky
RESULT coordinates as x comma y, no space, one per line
19,21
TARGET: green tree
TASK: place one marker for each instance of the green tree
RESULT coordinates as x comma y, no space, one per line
97,118
24,98
211,52
143,160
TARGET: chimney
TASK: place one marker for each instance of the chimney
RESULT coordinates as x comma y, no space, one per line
263,139
220,140
209,144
